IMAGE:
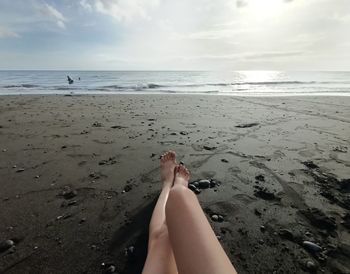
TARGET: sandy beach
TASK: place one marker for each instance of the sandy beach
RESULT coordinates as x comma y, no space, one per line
79,176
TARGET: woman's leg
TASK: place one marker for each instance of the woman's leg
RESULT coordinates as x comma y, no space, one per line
196,248
160,256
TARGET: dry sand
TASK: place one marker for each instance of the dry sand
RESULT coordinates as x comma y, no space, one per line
79,178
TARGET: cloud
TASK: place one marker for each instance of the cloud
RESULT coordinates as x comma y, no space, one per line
241,3
86,5
269,55
6,33
53,14
126,10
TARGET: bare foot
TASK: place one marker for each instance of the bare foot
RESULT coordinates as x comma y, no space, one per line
167,167
182,175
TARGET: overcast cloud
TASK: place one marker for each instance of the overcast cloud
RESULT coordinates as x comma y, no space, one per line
182,34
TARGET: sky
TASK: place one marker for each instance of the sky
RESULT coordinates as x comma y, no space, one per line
175,34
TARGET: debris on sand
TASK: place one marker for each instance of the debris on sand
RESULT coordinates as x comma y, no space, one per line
260,178
310,164
247,125
109,161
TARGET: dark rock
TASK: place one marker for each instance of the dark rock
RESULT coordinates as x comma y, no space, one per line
311,247
247,125
262,228
20,170
127,188
6,245
173,133
260,178
214,183
97,124
203,184
310,164
197,191
220,219
183,133
215,217
319,219
224,161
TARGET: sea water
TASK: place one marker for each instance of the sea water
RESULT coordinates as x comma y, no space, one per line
238,83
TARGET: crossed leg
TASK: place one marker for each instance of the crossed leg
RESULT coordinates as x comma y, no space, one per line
196,248
160,255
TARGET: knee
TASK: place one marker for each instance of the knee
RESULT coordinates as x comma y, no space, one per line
177,196
159,233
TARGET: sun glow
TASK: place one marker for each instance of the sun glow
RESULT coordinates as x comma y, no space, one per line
265,8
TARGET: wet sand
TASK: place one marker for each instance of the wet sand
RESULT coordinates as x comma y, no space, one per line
79,177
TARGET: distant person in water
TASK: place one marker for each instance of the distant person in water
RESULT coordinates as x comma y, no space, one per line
70,80
181,239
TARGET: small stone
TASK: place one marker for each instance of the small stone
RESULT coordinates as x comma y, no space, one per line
261,241
311,266
36,176
6,245
197,191
224,160
203,184
310,164
20,170
220,219
215,217
312,247
4,150
257,212
262,228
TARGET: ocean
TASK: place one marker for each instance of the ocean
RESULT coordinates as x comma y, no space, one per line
238,83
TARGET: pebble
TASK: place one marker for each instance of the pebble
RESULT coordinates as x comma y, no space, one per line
215,217
4,150
312,247
310,265
224,160
203,184
262,228
20,170
6,245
